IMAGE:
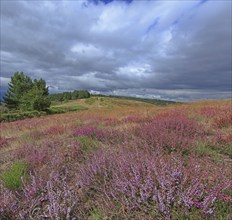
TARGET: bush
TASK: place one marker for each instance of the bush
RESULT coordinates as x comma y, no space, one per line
170,133
13,116
159,187
3,142
40,199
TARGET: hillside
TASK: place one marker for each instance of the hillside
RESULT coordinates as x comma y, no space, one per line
58,107
114,158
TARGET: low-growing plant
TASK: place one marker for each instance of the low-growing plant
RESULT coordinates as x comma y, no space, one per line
203,149
12,177
18,115
95,214
8,203
161,187
87,144
86,131
223,120
3,142
53,198
175,133
90,101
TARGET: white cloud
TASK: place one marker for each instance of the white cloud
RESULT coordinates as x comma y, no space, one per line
4,81
86,50
134,70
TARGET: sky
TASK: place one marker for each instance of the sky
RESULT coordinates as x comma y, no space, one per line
174,50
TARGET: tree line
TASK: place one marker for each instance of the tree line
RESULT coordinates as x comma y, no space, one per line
65,96
26,94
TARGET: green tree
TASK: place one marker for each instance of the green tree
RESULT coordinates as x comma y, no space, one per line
75,94
83,94
67,95
17,88
25,94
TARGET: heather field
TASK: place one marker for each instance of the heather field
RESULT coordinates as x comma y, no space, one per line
119,159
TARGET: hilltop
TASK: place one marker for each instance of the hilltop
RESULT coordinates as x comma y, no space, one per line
98,101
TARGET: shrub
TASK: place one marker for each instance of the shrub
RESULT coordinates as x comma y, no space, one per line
157,186
47,153
13,116
40,199
3,142
12,178
110,136
223,120
86,131
8,203
209,112
170,133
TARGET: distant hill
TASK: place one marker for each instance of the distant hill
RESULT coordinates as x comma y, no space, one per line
151,101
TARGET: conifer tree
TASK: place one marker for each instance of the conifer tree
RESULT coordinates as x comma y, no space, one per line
25,94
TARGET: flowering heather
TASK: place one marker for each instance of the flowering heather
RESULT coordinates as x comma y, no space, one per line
177,132
209,112
223,121
104,135
40,199
55,130
133,119
8,203
87,131
34,155
36,134
111,122
223,138
215,111
141,182
46,153
3,142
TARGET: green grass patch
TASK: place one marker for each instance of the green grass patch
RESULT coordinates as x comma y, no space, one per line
12,177
95,214
87,144
90,101
63,109
203,149
223,148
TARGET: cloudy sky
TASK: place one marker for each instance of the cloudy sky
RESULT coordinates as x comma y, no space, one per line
178,50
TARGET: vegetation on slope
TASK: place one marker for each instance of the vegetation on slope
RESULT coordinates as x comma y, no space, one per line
120,159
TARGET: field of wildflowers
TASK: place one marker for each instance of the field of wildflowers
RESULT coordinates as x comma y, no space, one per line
120,159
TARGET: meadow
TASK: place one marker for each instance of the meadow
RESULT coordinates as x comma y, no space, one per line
119,159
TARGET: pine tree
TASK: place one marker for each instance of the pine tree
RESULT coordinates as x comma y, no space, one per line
25,94
17,88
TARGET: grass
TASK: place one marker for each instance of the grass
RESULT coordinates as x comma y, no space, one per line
12,177
87,144
95,214
90,101
62,109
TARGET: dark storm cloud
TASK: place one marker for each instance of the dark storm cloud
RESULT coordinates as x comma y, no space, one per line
164,49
